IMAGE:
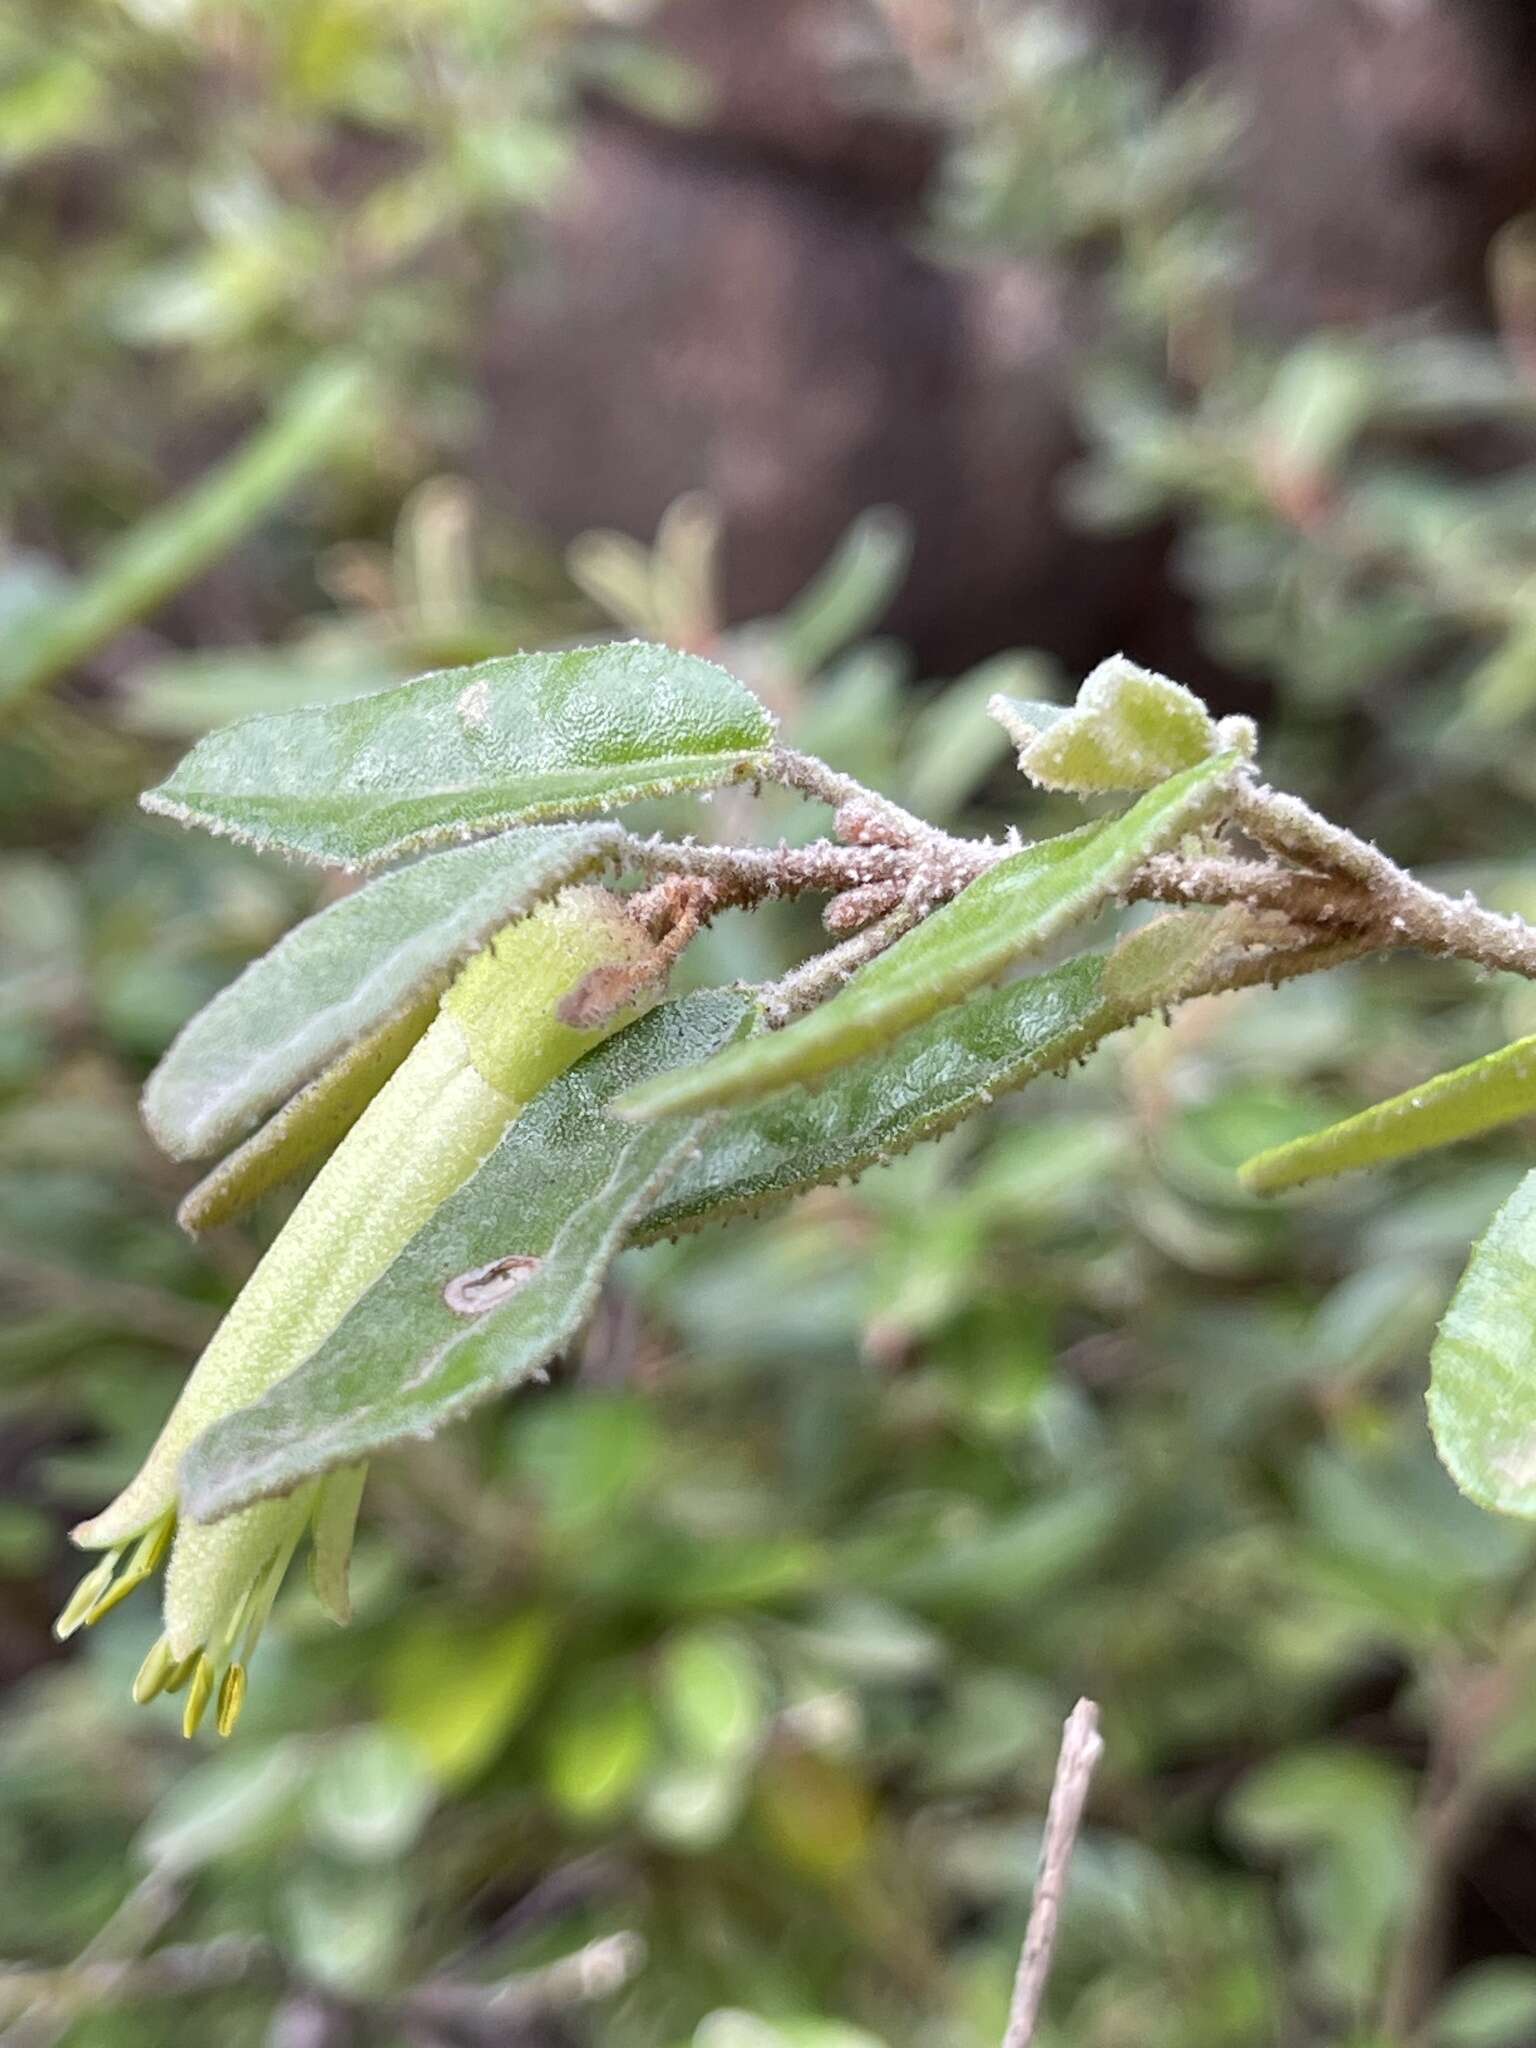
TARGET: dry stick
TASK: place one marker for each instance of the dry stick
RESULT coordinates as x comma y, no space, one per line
1081,1747
52,2000
598,1971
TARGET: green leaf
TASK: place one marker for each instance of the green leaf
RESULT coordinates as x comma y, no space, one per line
370,1795
713,1693
600,1743
457,1685
350,969
223,1808
1158,961
1015,909
166,550
850,592
1482,1389
931,1079
1017,1557
1491,2005
1498,1089
1128,730
564,1188
472,750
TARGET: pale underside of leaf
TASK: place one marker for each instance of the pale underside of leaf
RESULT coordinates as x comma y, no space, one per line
1013,911
309,1127
1463,1103
560,1194
349,970
472,750
1482,1392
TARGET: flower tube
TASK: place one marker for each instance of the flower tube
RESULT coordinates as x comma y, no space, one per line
498,1038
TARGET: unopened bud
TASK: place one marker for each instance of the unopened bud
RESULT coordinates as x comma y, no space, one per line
856,908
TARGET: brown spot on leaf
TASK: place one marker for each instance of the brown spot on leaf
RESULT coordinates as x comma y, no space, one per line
486,1287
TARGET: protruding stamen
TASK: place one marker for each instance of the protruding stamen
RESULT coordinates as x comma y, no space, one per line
153,1673
96,1582
198,1696
153,1544
178,1674
231,1698
115,1595
146,1560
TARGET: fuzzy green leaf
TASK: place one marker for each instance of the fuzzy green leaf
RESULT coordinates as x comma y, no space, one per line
1128,730
564,1189
1482,1390
1158,962
1498,1089
348,970
472,750
931,1079
1014,910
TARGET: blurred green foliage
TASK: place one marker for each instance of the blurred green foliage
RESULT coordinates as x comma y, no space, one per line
755,1644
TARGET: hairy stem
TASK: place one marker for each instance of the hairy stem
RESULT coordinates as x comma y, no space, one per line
805,986
813,778
1410,911
1219,878
743,875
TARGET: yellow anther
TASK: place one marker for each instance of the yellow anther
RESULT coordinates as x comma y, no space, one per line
153,1545
153,1673
115,1595
178,1674
231,1698
198,1696
85,1596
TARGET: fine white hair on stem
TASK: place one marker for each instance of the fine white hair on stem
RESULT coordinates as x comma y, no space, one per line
1081,1747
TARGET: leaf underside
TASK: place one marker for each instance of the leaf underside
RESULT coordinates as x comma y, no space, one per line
565,1187
1013,911
472,750
1482,1392
338,977
1463,1103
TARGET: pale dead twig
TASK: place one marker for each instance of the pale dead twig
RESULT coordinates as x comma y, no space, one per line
1081,1747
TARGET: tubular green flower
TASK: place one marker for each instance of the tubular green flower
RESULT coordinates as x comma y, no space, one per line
498,1038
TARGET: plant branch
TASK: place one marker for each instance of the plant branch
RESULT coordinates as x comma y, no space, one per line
1330,895
1081,1747
743,875
489,2011
1413,913
1219,879
820,976
812,778
47,1998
